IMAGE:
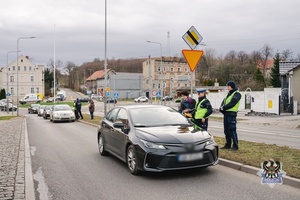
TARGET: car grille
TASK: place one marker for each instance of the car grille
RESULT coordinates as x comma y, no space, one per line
171,161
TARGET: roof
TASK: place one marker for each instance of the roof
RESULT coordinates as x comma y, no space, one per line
97,75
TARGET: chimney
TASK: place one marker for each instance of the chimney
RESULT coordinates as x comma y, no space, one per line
27,57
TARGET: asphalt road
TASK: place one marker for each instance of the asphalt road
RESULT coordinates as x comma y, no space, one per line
66,165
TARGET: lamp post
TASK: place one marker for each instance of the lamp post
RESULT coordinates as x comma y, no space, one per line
20,38
7,77
161,85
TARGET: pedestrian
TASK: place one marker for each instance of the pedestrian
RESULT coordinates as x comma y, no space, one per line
229,108
203,109
75,110
92,108
78,108
187,104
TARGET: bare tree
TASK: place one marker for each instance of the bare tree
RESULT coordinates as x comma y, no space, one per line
286,54
266,52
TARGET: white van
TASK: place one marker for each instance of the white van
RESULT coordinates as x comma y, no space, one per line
30,98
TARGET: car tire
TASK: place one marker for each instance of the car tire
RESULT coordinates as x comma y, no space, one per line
101,146
132,160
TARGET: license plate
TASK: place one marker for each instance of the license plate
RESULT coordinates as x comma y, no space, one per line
190,157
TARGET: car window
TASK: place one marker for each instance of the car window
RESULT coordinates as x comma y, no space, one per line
112,115
122,116
156,117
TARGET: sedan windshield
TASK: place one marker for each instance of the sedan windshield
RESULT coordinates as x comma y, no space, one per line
160,116
62,107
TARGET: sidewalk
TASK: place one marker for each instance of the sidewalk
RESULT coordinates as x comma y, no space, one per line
16,181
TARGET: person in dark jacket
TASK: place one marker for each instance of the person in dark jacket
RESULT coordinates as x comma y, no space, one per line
78,108
187,104
229,107
92,108
203,109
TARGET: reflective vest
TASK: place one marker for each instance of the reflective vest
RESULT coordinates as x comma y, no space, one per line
200,112
234,108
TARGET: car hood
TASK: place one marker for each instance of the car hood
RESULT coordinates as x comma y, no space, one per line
171,134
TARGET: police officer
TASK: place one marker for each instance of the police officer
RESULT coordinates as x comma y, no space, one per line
203,109
229,108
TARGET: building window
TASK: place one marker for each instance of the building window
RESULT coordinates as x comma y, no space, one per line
12,91
172,69
29,68
21,60
178,69
37,90
25,68
11,79
14,68
185,69
18,68
32,90
8,69
158,69
153,86
32,78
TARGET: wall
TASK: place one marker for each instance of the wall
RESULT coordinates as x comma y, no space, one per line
261,101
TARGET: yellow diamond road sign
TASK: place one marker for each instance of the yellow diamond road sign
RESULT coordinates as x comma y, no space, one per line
192,57
192,37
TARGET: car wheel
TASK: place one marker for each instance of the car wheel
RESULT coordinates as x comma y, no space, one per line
132,160
101,147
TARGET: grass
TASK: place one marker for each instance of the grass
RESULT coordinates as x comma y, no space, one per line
250,153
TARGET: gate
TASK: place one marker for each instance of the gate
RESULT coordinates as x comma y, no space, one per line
285,102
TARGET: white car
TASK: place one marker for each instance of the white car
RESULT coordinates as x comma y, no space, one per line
61,112
96,97
141,99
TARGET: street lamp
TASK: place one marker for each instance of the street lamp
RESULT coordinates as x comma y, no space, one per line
20,38
161,85
7,77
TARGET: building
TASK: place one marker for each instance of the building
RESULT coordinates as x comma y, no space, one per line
119,84
31,78
167,76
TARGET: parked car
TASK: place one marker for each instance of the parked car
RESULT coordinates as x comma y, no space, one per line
59,97
155,138
141,99
41,110
50,99
111,100
33,108
85,99
46,112
3,102
11,107
96,97
167,98
61,112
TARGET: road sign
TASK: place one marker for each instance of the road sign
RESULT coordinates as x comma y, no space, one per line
8,94
107,94
192,37
107,89
157,94
154,93
192,57
116,95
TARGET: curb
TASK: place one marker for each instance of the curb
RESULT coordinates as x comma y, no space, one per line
29,185
287,180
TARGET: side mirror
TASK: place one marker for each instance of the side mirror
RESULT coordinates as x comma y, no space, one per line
118,124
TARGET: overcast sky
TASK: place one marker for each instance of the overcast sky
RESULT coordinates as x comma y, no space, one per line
80,27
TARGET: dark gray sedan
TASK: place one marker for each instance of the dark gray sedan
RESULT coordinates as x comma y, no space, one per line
155,138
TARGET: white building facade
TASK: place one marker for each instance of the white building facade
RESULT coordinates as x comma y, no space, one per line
31,78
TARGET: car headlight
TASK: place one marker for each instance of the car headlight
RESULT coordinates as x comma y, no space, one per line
151,145
211,141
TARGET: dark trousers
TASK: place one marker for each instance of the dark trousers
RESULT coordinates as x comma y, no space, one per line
92,115
202,125
79,114
230,131
76,114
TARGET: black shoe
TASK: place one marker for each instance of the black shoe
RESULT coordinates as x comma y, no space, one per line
233,149
225,147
